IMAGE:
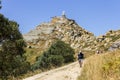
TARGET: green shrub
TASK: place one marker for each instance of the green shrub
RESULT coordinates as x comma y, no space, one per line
63,49
56,60
58,54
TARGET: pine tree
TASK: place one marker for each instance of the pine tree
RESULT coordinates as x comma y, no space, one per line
12,59
0,4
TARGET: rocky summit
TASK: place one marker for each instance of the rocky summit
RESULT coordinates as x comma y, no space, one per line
62,28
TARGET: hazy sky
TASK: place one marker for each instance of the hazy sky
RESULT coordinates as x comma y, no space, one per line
96,16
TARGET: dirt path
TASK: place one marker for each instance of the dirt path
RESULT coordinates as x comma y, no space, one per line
68,72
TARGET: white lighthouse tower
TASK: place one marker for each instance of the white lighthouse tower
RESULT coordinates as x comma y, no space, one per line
63,14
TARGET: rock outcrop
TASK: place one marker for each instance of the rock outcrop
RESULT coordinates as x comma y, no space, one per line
109,41
115,45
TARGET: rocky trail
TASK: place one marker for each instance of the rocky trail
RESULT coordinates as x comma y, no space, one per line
68,72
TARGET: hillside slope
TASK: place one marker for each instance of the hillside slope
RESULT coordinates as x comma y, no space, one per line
102,67
108,41
60,27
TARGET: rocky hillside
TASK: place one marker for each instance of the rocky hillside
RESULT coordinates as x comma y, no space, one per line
67,30
61,28
109,41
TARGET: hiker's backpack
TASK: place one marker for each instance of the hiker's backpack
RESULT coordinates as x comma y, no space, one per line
80,56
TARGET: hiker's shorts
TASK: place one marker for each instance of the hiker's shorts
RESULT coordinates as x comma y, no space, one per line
80,60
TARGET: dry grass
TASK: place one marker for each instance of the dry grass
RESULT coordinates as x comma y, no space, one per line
31,54
102,67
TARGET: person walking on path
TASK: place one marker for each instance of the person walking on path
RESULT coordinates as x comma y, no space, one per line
80,58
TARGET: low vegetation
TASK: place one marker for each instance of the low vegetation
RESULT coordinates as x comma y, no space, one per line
102,67
31,54
58,54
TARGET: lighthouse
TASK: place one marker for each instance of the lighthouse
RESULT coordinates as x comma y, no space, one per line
63,14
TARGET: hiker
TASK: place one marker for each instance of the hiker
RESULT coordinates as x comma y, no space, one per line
97,52
80,58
